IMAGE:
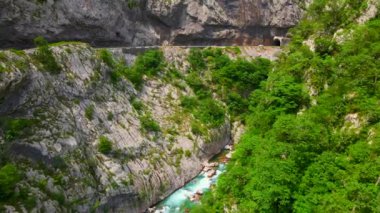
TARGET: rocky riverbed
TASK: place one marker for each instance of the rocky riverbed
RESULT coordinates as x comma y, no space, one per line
191,193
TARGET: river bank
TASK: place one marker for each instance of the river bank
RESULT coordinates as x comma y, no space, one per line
191,193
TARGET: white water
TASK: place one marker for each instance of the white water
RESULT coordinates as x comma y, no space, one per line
179,198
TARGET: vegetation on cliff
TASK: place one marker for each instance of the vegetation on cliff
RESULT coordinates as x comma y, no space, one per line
313,142
67,106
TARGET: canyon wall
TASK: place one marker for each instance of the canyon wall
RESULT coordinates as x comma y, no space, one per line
147,22
52,125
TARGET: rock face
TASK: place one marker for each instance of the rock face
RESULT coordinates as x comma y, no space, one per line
144,166
146,22
70,111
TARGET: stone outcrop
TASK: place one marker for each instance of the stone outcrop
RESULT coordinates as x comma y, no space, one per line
146,22
143,168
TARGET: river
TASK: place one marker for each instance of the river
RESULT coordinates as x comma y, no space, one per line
180,200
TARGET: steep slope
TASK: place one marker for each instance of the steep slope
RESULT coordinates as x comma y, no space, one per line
312,143
146,22
82,131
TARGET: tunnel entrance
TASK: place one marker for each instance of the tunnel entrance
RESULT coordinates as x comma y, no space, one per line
277,42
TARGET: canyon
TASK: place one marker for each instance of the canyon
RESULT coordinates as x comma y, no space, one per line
111,106
66,116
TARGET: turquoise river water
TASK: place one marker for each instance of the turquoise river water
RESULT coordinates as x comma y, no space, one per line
180,199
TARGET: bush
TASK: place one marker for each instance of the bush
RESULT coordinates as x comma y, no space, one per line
9,177
107,58
195,82
187,153
325,46
188,103
45,56
120,71
132,4
197,128
196,59
236,104
149,63
105,145
149,124
16,128
211,113
137,105
89,112
110,116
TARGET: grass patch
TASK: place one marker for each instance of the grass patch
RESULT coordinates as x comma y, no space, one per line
65,43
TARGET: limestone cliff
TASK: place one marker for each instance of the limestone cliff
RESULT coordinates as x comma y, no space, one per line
146,22
52,125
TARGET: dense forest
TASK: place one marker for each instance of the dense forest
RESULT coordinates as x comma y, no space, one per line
312,142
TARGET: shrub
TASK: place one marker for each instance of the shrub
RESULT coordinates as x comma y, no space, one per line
105,145
188,102
172,74
89,112
149,124
9,177
187,153
107,58
15,128
110,116
197,128
211,113
195,82
325,46
149,63
60,197
45,56
236,104
132,4
59,163
2,69
196,59
137,105
120,71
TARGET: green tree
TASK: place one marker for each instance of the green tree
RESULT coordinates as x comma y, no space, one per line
9,177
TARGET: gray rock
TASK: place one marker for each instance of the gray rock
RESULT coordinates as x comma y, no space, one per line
150,22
